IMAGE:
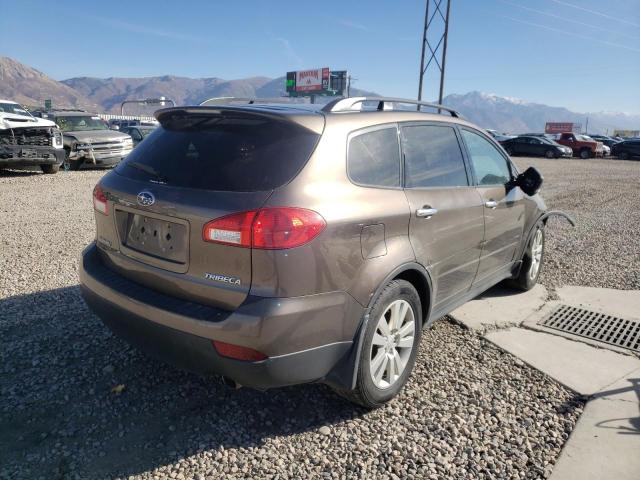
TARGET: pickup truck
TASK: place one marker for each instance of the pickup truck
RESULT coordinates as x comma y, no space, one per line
581,146
88,141
27,141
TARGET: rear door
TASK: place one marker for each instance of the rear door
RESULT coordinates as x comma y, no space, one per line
447,226
193,169
520,146
504,209
538,147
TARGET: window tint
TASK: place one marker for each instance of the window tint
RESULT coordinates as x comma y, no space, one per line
225,151
490,166
432,157
374,158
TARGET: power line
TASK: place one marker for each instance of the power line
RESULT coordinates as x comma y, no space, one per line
593,12
564,19
571,34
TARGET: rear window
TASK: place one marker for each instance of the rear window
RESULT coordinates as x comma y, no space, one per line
229,152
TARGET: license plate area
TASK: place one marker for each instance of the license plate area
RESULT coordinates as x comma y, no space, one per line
154,239
28,153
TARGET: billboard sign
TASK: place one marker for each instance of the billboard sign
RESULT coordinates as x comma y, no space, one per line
562,127
315,81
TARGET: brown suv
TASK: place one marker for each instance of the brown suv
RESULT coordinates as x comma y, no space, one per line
277,245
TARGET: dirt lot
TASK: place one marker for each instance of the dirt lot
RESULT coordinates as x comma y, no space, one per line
469,411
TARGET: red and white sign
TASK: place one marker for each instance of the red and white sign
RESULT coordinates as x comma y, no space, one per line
562,127
315,80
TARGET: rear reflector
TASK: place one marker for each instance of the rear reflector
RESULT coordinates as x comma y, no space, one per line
233,229
268,228
237,352
100,200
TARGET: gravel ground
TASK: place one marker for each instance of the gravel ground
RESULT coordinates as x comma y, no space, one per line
79,403
603,250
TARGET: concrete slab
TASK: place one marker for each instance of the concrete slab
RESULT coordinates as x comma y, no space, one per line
621,303
606,441
500,307
578,366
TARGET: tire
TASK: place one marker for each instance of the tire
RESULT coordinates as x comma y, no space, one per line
585,153
50,168
370,392
531,261
623,156
550,154
70,165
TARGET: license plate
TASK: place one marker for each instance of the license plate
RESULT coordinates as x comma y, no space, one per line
28,153
156,237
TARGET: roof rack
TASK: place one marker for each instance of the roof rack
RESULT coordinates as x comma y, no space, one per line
349,103
52,110
247,100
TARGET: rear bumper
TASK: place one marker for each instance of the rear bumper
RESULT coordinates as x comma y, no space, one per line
14,155
181,333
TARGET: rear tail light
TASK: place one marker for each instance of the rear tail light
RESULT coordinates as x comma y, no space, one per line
100,200
268,228
233,229
237,352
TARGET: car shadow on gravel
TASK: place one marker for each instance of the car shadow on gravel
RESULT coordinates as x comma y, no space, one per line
20,173
77,398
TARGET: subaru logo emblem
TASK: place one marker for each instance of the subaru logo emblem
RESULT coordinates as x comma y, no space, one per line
146,198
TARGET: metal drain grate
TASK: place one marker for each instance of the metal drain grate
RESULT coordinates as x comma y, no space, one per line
596,326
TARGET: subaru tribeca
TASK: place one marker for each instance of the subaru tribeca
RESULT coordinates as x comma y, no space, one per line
276,245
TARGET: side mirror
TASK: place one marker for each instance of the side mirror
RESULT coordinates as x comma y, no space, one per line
530,181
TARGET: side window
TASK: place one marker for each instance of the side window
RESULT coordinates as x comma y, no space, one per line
373,158
490,166
432,157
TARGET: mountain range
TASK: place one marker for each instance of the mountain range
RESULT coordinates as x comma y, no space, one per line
30,87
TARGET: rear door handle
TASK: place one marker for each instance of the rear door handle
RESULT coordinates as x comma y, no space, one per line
491,204
426,212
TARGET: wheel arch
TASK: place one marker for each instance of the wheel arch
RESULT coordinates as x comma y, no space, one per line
345,374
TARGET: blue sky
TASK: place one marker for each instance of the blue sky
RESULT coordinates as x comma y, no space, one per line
582,54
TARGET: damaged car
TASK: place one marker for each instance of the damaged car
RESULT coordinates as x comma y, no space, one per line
27,141
88,141
278,245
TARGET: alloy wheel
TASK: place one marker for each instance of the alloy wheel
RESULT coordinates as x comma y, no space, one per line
536,254
393,341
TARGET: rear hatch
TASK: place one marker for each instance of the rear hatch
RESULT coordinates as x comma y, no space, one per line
199,165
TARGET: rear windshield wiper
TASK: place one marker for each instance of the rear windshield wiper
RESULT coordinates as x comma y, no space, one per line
148,169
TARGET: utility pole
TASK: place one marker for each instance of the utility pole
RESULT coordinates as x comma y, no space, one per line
434,11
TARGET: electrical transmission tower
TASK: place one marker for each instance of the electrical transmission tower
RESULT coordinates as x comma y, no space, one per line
436,29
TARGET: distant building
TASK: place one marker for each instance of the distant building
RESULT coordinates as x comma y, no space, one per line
626,133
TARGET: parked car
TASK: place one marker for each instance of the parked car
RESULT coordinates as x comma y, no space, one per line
138,133
581,145
27,141
606,140
88,141
500,137
278,245
627,149
536,146
548,136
